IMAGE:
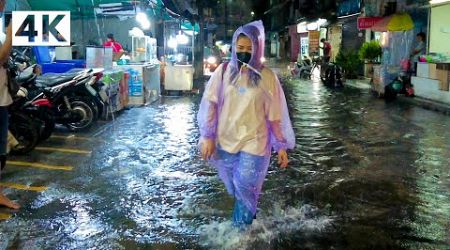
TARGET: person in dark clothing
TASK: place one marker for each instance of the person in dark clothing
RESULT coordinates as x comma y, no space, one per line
326,50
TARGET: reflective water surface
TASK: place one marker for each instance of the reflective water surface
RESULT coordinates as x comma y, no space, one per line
365,174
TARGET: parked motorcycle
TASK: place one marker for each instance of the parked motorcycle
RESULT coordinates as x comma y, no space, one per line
401,85
21,124
303,69
67,98
331,75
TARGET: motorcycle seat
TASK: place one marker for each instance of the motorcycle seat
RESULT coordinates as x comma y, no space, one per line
25,77
53,80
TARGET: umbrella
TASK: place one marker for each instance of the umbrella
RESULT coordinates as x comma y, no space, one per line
395,22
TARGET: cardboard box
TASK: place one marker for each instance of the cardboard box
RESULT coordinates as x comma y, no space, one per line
432,70
444,78
423,70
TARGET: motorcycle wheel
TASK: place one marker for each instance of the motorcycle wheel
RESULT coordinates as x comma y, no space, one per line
26,132
85,110
49,127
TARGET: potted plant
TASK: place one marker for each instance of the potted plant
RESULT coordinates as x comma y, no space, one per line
350,62
370,52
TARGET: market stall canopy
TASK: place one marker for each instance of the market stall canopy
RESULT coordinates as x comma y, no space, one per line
395,22
188,26
88,8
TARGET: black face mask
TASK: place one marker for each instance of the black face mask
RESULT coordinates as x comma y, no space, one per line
243,57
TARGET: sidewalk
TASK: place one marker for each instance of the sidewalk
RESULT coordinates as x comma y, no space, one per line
418,101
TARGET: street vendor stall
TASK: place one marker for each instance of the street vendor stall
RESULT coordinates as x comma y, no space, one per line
396,41
179,69
433,70
143,70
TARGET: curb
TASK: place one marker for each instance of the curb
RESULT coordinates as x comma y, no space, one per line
426,104
417,101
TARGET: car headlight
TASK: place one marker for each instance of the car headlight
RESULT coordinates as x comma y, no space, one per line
212,60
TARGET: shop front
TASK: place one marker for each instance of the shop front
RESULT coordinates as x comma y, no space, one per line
433,71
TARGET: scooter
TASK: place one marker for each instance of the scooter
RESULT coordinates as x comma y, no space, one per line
331,75
303,70
68,98
57,101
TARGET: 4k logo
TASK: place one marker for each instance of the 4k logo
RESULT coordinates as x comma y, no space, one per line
41,28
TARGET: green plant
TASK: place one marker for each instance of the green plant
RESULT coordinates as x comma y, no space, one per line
350,62
370,51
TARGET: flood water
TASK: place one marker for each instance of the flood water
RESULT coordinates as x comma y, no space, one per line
365,174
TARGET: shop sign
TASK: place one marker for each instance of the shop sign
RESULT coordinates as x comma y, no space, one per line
367,22
348,7
304,43
314,37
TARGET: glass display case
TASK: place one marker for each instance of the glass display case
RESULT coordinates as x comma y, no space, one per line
143,49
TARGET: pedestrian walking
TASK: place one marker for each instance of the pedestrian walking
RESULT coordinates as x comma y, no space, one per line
243,116
5,101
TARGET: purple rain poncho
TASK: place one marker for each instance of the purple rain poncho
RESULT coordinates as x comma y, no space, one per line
248,189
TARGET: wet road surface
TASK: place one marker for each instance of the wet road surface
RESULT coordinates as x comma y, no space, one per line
365,175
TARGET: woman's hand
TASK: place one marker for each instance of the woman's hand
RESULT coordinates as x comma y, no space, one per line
208,149
283,158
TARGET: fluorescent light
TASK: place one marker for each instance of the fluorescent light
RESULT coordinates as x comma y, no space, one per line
172,43
141,17
439,1
312,26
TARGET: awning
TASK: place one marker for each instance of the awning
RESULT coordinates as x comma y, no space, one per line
188,26
86,8
396,22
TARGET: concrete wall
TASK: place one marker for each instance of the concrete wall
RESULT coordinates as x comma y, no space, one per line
440,29
429,89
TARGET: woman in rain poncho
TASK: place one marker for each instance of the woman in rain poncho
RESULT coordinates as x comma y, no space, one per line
243,115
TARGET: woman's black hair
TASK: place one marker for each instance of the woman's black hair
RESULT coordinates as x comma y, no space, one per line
242,35
110,36
422,35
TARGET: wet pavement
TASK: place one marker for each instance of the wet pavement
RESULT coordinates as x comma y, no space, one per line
365,175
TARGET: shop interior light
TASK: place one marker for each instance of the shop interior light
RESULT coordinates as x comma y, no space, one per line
182,38
384,39
172,43
301,27
142,19
321,22
432,2
312,26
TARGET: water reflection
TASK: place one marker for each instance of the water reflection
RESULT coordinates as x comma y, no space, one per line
365,174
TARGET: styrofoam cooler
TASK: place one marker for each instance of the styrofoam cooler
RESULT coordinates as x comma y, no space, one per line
152,83
423,70
179,77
